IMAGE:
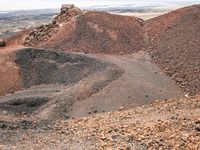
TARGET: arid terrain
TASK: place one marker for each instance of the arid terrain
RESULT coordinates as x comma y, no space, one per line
95,80
18,20
15,21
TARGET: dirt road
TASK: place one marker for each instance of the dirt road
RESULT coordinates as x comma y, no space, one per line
141,83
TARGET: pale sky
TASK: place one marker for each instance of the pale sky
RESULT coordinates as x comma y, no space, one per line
38,4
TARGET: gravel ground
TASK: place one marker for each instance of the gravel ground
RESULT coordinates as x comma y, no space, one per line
174,43
51,67
170,124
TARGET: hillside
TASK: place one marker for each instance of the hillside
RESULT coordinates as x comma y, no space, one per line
94,80
174,45
93,32
172,39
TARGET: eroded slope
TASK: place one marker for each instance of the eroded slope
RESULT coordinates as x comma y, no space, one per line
174,43
94,32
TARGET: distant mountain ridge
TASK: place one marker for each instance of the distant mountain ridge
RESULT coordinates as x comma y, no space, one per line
14,21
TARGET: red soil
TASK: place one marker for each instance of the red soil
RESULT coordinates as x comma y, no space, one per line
159,25
174,42
10,79
17,39
97,32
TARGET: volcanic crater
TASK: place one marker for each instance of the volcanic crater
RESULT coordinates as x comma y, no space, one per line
47,74
50,67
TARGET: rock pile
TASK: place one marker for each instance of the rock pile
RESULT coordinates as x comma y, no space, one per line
41,33
67,12
2,43
44,32
174,43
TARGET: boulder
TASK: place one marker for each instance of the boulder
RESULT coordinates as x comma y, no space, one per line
66,7
2,43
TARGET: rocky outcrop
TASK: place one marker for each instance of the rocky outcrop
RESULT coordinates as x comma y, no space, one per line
41,33
44,32
67,12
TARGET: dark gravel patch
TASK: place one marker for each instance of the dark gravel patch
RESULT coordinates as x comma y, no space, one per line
23,105
25,124
50,67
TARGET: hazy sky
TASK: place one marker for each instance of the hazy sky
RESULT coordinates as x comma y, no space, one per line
38,4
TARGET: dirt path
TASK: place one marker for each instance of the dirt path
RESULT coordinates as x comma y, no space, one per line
142,83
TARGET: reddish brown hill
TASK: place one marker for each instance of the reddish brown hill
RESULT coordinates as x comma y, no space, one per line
174,44
159,25
172,39
95,32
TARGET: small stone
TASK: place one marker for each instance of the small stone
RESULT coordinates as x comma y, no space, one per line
5,112
197,122
52,141
116,130
175,117
186,95
114,136
54,22
2,43
121,108
185,136
103,138
66,116
197,129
